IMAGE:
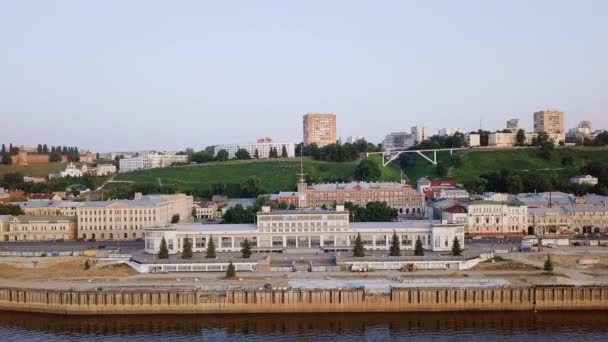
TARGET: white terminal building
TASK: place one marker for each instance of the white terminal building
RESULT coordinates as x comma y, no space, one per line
263,149
329,230
150,161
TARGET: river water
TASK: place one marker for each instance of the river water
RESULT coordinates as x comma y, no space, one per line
469,326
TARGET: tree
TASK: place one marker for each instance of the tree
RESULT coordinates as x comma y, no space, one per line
256,154
13,178
284,152
39,148
242,154
187,249
45,150
456,249
6,159
368,170
175,218
163,252
273,153
568,161
520,137
231,270
246,249
514,184
11,209
548,266
222,155
547,150
239,214
201,157
292,206
395,248
210,248
441,169
358,249
3,148
253,186
418,249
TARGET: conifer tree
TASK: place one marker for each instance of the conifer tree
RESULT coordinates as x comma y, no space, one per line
548,266
230,271
395,248
456,249
246,249
163,252
210,248
418,249
358,249
187,249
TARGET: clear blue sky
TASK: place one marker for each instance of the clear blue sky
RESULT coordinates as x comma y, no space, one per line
126,75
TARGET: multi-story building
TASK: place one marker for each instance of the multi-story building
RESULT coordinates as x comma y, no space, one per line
105,169
305,229
513,125
263,149
500,139
398,140
41,228
319,129
4,226
452,194
449,131
351,139
206,210
50,208
419,133
150,161
400,196
496,218
125,219
568,220
550,121
474,139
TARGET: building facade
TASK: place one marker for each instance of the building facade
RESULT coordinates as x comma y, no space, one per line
262,148
41,228
126,219
496,218
304,229
319,129
400,196
150,161
550,121
50,208
419,133
566,221
584,180
398,140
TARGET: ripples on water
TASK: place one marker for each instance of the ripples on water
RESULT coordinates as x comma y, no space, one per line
472,326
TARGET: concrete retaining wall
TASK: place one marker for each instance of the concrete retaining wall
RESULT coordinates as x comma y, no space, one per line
295,301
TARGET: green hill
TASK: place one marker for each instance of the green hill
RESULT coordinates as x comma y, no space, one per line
276,175
476,162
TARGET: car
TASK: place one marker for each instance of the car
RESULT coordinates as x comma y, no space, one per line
550,245
268,286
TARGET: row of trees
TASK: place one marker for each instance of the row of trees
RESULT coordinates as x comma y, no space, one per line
15,180
395,247
372,212
442,141
337,152
5,154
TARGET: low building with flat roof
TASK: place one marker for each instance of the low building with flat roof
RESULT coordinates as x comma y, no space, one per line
304,229
41,228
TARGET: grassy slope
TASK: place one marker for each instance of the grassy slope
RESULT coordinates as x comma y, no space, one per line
35,170
276,175
477,162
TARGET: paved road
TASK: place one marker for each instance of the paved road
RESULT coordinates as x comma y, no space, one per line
124,246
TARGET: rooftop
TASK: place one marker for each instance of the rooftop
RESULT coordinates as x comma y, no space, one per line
39,218
353,185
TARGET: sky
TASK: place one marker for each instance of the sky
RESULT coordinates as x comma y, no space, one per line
166,75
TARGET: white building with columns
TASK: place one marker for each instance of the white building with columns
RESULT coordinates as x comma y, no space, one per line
305,229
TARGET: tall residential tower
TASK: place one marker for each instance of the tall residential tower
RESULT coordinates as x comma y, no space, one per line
319,129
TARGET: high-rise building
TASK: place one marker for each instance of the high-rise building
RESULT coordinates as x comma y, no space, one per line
398,140
513,125
319,129
550,121
419,133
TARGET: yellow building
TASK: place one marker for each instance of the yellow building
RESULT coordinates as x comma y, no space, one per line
550,121
319,129
41,228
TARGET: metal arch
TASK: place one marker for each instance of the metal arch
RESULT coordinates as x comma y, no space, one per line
393,155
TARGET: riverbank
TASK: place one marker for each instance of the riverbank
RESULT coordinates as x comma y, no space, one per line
534,298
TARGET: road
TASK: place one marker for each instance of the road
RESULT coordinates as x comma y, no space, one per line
124,246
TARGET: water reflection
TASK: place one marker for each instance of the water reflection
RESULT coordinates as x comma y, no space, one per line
318,327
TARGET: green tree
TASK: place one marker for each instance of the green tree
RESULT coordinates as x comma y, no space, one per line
418,249
187,248
456,249
358,249
6,158
547,150
242,154
284,152
395,249
292,206
210,248
13,179
442,169
246,249
542,138
163,252
368,170
175,218
256,154
515,184
11,209
273,153
520,137
548,266
230,271
253,186
568,161
222,155
457,160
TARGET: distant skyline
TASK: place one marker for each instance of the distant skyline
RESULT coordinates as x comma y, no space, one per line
135,75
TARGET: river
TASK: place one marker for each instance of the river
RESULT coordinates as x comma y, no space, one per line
462,326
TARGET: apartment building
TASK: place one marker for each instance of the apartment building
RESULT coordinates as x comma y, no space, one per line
496,218
41,228
319,129
419,133
125,219
150,160
263,149
550,121
400,196
50,208
398,140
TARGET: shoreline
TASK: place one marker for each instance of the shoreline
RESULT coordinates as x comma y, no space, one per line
294,301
